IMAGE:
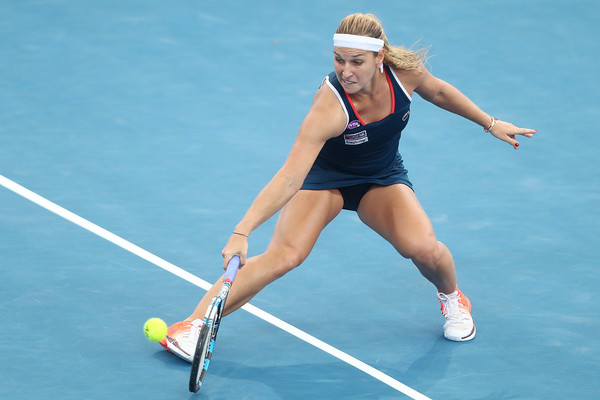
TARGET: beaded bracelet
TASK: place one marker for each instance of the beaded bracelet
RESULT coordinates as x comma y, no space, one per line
489,129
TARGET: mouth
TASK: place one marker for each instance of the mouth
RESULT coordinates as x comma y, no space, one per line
347,82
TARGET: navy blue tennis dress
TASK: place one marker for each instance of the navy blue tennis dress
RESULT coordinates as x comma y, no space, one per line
364,154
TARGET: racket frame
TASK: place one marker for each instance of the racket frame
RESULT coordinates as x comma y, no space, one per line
210,327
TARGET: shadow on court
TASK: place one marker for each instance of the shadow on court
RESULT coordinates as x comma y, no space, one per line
312,380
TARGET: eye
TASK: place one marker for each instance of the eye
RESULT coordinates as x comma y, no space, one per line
339,60
357,63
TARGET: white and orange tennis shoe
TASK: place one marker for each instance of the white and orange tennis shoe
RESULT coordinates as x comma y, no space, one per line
181,338
456,308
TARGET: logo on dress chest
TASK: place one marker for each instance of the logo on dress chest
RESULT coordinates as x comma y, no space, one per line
354,124
352,139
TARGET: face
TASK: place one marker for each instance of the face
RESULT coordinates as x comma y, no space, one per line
354,68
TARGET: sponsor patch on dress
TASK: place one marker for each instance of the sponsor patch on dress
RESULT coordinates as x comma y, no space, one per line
353,139
354,124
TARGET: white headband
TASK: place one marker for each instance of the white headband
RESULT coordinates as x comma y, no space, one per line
357,42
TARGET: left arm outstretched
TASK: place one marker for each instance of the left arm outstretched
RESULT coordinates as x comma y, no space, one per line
446,96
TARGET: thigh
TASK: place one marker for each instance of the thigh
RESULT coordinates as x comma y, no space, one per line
394,212
303,218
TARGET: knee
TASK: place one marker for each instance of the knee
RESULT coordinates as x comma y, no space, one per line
424,253
286,258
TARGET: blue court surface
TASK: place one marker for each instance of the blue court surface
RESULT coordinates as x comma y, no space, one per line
159,121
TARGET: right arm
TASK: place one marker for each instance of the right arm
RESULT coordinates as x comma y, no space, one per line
324,120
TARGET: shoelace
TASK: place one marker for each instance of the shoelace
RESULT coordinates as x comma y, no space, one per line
189,330
452,307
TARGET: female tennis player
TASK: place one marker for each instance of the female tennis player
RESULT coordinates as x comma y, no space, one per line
346,157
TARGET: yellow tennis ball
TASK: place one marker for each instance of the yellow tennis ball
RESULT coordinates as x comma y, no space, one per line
155,329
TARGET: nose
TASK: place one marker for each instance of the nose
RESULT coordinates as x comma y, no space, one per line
347,72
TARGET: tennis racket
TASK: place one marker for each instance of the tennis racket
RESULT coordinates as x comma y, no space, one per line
210,327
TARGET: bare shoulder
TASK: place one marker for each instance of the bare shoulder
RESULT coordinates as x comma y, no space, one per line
325,97
412,79
325,119
326,116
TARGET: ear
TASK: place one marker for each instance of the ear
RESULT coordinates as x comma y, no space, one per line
380,56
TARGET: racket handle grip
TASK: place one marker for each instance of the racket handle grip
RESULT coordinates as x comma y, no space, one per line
232,269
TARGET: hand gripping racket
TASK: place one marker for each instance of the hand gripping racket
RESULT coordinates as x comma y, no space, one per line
210,327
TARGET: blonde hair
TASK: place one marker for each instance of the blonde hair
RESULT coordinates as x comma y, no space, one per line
397,57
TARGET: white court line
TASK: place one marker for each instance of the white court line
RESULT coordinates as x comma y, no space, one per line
138,251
